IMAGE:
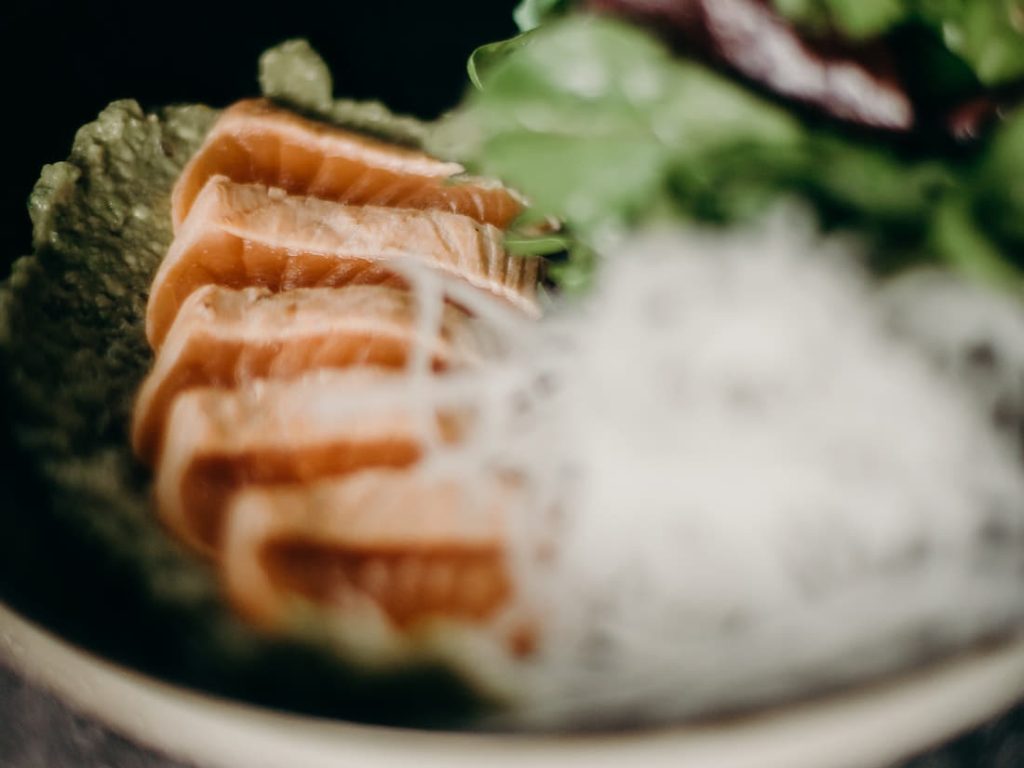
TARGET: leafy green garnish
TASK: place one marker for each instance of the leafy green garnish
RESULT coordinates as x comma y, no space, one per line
987,34
857,19
591,116
530,14
541,245
963,243
602,128
1001,180
484,58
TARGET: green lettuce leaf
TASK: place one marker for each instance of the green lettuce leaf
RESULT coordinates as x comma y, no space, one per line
483,59
987,34
857,19
998,193
530,14
602,128
590,117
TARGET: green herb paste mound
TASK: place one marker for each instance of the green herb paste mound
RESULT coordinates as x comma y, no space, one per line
80,548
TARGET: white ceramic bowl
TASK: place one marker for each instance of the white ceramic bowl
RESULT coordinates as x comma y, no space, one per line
869,727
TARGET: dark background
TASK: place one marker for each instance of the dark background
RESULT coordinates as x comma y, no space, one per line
62,62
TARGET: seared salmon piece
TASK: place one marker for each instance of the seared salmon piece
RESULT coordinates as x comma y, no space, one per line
325,423
223,337
240,235
255,141
415,548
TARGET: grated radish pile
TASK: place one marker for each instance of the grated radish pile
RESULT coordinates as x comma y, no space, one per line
740,471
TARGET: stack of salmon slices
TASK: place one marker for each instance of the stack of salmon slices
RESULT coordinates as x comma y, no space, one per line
279,416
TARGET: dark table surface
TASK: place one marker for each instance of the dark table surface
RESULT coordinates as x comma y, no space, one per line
38,731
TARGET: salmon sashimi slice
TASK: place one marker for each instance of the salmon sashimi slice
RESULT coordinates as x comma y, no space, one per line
415,548
224,337
325,423
241,235
255,141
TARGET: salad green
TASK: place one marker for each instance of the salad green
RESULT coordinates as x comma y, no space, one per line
601,126
987,34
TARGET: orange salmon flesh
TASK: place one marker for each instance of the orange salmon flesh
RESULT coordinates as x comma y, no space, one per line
241,235
274,432
280,416
224,337
255,141
412,547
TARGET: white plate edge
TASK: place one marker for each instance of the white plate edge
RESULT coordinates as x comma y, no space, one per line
869,727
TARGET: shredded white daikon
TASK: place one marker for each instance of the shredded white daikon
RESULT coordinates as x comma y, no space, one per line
740,474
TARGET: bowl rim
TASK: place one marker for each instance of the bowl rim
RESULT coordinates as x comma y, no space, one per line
864,727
